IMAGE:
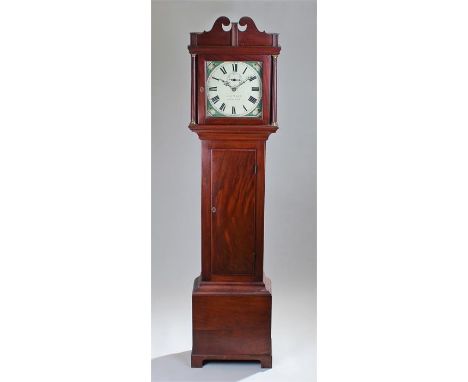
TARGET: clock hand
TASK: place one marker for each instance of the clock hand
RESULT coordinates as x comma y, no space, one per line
226,83
242,82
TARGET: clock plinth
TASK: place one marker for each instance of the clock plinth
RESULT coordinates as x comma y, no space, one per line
231,322
233,112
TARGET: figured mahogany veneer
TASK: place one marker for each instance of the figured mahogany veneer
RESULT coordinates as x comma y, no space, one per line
231,322
231,299
233,184
217,37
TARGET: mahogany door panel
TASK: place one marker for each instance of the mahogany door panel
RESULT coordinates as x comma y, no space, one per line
233,199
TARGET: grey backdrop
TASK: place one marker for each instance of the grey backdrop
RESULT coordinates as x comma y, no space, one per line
290,204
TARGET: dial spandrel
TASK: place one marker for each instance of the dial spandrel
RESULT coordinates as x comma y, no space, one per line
234,89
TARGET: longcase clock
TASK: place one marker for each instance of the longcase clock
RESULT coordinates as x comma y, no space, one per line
233,111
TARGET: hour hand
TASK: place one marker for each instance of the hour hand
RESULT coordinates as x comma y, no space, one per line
223,81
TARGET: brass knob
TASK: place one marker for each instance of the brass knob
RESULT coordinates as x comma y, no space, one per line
213,209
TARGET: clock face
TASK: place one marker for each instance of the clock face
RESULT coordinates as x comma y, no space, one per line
234,89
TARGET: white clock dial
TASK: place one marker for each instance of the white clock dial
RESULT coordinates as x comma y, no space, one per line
234,89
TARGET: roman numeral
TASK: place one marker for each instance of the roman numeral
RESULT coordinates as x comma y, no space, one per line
244,108
252,78
222,107
215,99
233,110
252,99
234,67
254,88
244,70
213,88
223,70
217,79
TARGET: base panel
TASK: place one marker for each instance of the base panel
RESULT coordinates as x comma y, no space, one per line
231,321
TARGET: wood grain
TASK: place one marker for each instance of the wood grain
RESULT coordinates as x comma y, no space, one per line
233,182
231,322
249,36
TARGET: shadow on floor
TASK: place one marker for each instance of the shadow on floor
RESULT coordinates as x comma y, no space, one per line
176,367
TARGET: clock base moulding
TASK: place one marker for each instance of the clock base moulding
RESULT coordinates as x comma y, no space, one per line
231,321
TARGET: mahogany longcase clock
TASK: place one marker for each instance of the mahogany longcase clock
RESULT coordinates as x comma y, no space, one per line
233,111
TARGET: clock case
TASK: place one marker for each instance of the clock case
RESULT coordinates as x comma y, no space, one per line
232,299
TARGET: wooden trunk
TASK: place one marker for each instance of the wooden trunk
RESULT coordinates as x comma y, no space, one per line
232,300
